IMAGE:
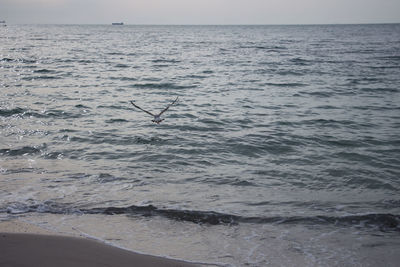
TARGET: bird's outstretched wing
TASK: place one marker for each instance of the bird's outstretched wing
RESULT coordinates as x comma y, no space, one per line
165,109
142,109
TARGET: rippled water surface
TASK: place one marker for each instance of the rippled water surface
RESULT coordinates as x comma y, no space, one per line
285,139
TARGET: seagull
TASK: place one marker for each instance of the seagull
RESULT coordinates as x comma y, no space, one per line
157,117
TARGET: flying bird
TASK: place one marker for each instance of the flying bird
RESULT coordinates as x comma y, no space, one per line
157,117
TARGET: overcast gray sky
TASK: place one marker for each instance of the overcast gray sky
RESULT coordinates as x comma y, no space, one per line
200,11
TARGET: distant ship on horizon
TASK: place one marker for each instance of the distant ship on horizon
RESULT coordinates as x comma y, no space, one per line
117,23
3,23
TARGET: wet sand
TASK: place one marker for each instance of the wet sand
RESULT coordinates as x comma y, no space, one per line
25,245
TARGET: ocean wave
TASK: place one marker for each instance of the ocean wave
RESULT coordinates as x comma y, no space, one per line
290,73
44,71
161,86
19,60
74,60
283,84
7,59
114,139
318,93
115,54
328,122
25,150
393,58
165,61
301,62
41,77
207,71
195,76
228,181
380,90
123,78
376,221
45,207
121,65
116,120
54,113
106,178
265,48
81,106
11,112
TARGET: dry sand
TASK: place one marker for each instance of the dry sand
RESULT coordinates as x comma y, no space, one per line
22,244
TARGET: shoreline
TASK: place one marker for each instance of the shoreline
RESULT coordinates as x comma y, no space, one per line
24,244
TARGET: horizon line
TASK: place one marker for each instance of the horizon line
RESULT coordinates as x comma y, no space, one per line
211,24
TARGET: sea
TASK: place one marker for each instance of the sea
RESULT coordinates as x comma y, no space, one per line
283,148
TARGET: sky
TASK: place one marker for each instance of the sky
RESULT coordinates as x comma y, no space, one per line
199,11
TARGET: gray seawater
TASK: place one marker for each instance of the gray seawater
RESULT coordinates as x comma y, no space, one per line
283,149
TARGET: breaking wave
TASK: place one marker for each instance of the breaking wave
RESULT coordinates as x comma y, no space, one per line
378,221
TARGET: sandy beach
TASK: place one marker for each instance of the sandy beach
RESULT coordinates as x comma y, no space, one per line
22,244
